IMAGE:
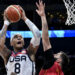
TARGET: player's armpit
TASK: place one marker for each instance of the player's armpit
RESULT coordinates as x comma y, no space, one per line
34,44
5,53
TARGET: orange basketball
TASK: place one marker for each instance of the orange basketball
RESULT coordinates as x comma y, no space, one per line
13,13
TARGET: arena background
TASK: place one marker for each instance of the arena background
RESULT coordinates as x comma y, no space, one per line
56,17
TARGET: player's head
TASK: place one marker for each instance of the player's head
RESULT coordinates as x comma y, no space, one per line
17,41
62,59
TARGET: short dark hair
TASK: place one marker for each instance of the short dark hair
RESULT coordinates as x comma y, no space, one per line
65,60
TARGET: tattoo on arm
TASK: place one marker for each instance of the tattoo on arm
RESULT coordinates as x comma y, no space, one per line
3,31
3,50
5,54
3,35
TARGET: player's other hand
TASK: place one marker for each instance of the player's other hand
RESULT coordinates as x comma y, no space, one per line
23,16
41,8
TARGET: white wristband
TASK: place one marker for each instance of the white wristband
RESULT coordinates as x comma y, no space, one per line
6,22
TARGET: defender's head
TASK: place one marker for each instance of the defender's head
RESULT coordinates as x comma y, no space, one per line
62,59
17,41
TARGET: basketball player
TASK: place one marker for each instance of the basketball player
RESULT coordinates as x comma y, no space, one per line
53,64
20,61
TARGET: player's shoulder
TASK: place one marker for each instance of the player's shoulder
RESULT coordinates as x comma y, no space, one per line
58,68
56,63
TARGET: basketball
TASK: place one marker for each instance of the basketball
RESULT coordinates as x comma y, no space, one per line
13,13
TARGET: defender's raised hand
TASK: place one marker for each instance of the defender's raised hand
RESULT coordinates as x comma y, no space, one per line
41,8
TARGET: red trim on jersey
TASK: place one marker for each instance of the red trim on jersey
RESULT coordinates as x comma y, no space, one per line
22,52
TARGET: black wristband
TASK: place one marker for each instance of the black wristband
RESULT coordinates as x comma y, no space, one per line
48,59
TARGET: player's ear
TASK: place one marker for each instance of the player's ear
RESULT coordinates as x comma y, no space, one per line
11,43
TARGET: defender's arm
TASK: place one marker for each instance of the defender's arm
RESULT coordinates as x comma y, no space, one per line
48,55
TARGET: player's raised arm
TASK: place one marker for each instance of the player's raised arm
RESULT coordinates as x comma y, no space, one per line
35,41
48,54
4,52
45,36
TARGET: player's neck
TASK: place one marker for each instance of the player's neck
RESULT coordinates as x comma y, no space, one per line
60,65
17,50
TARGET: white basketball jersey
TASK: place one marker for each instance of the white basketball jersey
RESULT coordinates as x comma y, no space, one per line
20,64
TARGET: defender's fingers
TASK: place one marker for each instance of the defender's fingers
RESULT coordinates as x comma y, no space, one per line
37,4
44,5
